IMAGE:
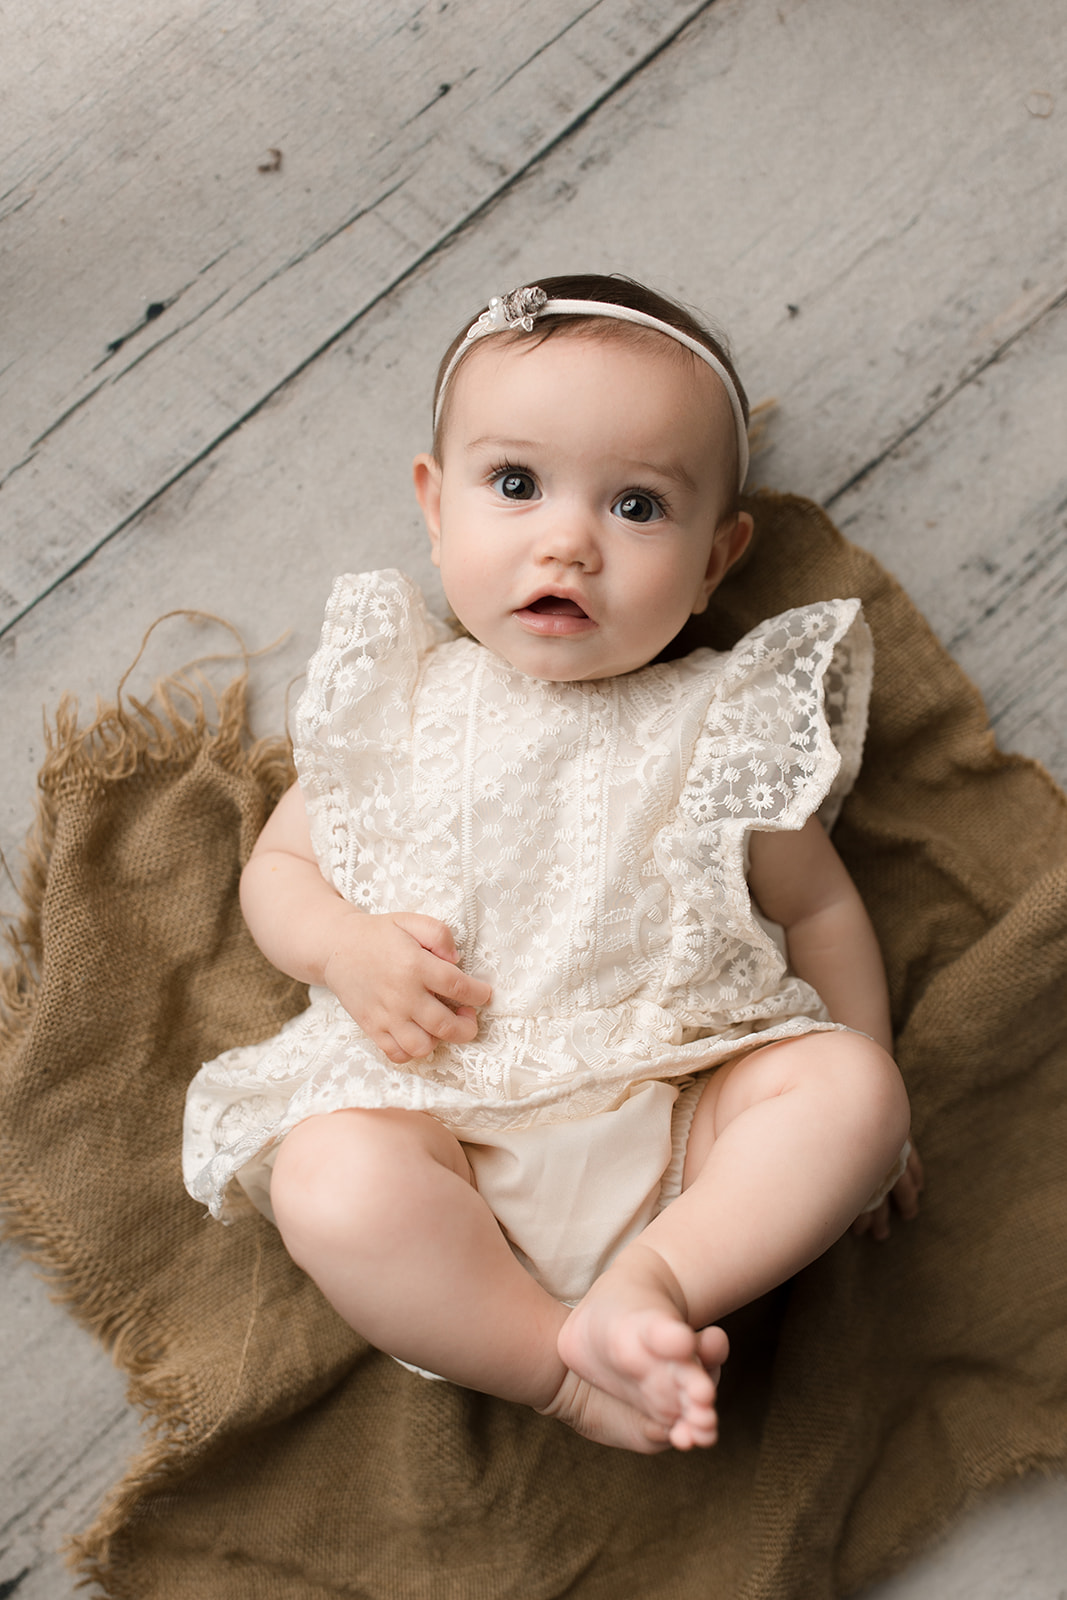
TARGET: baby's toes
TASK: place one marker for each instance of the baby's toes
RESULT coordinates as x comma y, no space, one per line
657,1356
664,1338
697,1423
696,1390
713,1347
688,1435
650,1348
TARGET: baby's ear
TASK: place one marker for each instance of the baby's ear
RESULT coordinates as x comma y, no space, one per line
731,540
738,539
426,472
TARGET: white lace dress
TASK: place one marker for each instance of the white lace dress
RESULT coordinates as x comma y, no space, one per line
586,844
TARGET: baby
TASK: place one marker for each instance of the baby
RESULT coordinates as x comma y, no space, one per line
598,1047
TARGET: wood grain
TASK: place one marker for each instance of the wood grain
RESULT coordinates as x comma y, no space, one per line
185,285
971,511
881,170
65,1428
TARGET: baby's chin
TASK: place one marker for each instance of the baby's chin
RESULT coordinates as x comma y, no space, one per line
558,660
566,670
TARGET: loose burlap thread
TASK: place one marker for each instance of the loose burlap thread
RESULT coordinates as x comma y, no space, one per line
865,1404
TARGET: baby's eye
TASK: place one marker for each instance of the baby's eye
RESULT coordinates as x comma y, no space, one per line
515,485
637,507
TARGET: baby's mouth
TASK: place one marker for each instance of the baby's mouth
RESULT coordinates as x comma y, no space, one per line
555,616
553,605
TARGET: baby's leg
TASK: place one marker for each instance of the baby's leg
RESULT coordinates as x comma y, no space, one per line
379,1208
787,1144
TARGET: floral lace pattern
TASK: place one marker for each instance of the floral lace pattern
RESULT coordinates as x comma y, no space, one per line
585,842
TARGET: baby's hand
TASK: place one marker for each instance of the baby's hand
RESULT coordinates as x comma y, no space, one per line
904,1195
397,977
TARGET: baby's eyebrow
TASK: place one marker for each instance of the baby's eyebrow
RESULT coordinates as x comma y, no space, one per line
502,444
669,469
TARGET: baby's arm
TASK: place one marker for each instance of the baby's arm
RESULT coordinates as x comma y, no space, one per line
397,975
799,881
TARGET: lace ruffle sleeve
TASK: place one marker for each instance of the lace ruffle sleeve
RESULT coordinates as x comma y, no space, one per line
783,736
352,725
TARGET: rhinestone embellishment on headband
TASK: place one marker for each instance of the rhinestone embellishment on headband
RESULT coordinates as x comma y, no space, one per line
515,310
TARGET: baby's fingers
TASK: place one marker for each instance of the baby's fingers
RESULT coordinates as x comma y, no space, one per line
407,1042
413,1038
442,975
455,986
432,935
458,1027
908,1187
875,1222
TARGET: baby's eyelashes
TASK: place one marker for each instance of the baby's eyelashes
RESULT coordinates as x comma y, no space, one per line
639,505
518,485
515,483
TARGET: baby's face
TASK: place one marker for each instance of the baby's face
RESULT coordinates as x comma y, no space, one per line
579,513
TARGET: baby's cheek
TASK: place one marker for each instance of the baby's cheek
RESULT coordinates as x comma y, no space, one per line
667,600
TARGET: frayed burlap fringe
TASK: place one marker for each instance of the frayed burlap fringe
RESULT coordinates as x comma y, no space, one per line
129,740
154,736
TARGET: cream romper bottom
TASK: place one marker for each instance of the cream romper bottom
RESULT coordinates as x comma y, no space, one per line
569,1195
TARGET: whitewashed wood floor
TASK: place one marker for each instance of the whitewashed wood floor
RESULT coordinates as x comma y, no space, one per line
213,377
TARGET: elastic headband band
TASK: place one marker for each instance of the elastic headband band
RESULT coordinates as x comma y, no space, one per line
519,309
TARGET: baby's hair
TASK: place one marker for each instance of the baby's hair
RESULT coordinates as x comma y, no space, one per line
613,290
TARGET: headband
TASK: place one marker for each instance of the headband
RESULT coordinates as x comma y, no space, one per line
521,307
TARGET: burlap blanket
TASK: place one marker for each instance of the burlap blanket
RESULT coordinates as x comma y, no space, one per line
865,1403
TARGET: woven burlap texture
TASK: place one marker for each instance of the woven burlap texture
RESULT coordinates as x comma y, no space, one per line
864,1405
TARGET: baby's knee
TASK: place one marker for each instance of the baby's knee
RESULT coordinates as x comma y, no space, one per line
316,1181
350,1174
867,1084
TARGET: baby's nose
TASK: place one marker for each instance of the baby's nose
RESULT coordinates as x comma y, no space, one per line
571,537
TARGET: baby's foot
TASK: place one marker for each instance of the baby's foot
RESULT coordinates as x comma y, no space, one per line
603,1418
629,1338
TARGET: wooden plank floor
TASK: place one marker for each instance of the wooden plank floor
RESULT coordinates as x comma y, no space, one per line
870,199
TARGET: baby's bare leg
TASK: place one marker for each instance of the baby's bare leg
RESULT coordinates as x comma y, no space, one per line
379,1208
787,1144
